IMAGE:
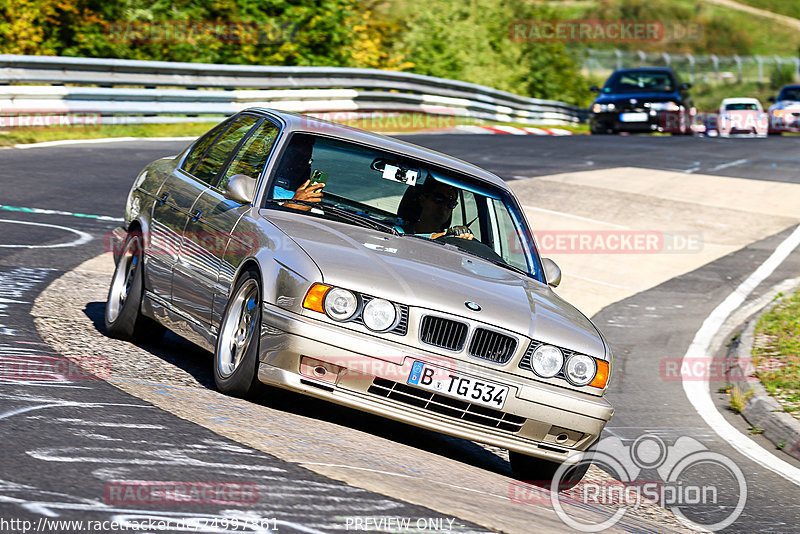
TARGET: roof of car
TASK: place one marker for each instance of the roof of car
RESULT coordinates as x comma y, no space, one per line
634,69
740,100
296,122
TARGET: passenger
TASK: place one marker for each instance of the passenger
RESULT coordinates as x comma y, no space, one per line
427,209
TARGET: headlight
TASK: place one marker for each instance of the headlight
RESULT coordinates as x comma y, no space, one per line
600,108
547,361
778,112
340,304
379,314
580,369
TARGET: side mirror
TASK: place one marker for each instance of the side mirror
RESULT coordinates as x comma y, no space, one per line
552,272
240,188
595,89
771,99
685,86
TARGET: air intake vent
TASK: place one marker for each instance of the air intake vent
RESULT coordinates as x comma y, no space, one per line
444,333
492,346
440,404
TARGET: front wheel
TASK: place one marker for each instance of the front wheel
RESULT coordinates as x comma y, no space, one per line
540,472
123,319
236,355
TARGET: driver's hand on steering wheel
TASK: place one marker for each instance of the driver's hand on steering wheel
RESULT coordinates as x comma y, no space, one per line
456,231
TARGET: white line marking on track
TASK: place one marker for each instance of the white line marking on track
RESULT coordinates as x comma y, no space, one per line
59,212
82,238
697,390
726,165
578,217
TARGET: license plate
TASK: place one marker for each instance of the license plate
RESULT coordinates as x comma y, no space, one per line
633,117
457,385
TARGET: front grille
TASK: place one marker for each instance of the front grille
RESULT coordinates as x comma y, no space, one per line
444,333
525,362
440,404
492,346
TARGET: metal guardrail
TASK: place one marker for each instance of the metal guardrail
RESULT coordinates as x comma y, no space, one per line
158,91
708,68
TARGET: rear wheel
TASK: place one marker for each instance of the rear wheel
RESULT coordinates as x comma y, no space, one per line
540,472
123,319
236,355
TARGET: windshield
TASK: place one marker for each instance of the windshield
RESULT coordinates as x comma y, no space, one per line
741,106
640,81
379,190
790,93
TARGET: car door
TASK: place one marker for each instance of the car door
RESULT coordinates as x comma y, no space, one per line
175,198
208,230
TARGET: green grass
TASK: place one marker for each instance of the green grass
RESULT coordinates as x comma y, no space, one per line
790,8
727,31
14,136
776,352
403,123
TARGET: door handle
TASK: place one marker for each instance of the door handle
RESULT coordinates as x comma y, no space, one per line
196,215
163,199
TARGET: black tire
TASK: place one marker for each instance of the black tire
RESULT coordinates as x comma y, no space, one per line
123,318
236,353
540,472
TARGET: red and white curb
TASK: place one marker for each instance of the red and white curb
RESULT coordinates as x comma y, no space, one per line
511,130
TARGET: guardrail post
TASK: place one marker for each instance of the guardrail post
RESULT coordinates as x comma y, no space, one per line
715,62
618,53
666,58
642,58
690,59
760,63
738,61
796,69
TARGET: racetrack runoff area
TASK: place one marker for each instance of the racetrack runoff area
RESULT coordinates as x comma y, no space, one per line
617,232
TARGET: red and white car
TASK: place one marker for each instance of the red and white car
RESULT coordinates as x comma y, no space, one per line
784,113
742,116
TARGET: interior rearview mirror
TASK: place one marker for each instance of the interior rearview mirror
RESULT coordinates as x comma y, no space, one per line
552,272
240,188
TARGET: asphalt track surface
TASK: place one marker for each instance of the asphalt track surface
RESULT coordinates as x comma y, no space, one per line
53,468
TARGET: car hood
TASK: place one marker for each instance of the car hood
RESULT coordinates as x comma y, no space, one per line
420,273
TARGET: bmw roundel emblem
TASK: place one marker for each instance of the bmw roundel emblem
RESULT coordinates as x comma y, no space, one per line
472,305
633,101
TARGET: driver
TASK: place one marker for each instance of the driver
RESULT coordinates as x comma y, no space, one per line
429,210
292,178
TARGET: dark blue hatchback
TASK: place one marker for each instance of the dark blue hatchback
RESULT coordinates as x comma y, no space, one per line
647,99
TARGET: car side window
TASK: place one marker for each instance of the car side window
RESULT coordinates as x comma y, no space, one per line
201,147
215,157
253,154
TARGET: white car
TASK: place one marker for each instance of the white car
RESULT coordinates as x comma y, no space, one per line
742,116
784,113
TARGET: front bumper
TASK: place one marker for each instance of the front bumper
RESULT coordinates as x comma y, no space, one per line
369,373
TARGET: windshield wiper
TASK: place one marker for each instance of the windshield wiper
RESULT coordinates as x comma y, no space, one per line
350,216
